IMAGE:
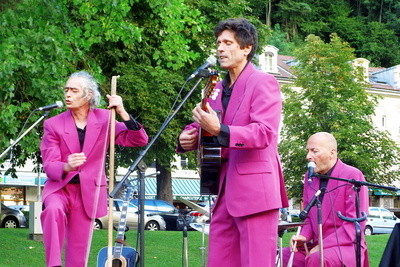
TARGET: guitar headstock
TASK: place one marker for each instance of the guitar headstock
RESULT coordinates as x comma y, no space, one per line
128,193
209,91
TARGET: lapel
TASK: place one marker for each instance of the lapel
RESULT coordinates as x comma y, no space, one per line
93,129
238,94
71,134
333,191
71,138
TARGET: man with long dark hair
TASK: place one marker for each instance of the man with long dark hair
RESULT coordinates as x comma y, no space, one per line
245,216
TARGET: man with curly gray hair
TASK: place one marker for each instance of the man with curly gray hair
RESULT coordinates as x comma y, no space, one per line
73,148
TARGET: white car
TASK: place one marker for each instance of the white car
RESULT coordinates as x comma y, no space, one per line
380,221
151,222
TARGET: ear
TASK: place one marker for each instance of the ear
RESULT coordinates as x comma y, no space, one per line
89,95
247,50
333,153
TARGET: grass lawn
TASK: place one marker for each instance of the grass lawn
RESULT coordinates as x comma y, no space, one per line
163,248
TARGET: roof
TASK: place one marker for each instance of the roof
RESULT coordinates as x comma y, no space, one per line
285,64
380,192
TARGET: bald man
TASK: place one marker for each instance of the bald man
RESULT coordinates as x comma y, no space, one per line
338,236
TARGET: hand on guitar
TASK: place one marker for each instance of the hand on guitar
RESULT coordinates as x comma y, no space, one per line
208,120
189,139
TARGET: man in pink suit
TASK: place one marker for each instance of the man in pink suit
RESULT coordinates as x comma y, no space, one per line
73,148
339,236
245,216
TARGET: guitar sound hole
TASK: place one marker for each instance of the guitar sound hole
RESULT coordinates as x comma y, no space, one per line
116,263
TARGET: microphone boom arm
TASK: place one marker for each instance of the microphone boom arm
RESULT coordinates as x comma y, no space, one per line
149,145
357,182
45,114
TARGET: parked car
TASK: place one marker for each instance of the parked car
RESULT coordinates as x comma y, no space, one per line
172,216
151,222
199,216
284,215
380,221
20,207
11,218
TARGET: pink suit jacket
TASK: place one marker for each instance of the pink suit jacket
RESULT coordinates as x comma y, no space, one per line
254,180
341,197
61,139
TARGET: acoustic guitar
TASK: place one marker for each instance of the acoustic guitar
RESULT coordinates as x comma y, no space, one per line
209,153
123,255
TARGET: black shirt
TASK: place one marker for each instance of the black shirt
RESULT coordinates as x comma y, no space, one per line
323,183
132,124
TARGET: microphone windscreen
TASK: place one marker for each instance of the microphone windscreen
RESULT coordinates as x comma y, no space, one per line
311,164
59,104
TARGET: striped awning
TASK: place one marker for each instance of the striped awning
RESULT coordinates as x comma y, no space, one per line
181,188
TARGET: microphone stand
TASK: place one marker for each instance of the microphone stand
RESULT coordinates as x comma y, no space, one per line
356,186
320,239
45,114
319,215
202,74
185,259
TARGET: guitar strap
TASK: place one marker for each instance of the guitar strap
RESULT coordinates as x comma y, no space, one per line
121,242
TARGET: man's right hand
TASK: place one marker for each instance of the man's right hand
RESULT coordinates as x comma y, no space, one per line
74,161
296,241
189,139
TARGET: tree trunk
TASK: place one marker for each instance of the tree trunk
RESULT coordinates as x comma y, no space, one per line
268,13
164,183
380,12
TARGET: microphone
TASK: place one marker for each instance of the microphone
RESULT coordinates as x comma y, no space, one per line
311,165
58,104
210,62
303,215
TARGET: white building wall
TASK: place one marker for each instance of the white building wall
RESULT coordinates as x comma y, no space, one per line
387,114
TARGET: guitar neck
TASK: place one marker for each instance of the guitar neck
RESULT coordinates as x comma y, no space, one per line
122,226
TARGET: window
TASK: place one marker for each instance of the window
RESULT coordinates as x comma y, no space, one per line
373,213
387,215
269,61
184,162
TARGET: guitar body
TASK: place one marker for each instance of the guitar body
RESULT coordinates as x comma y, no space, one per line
127,259
209,156
122,255
209,166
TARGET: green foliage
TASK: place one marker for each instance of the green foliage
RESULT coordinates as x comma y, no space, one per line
371,27
329,95
278,39
152,45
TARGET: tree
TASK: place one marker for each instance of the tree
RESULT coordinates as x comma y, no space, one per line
41,43
330,95
153,45
292,13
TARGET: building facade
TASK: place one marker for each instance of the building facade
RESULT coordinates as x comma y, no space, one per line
385,83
